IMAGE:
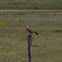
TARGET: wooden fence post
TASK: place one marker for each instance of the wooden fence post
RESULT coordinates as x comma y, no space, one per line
30,48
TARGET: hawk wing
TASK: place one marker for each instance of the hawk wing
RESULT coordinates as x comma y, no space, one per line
30,30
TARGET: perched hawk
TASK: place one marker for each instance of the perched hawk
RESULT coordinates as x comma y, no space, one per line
30,30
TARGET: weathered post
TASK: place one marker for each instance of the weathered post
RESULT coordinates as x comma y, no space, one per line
30,48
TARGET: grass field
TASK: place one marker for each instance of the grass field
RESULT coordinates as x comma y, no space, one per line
13,36
30,4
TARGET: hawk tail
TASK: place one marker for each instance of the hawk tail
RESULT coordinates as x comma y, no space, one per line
36,33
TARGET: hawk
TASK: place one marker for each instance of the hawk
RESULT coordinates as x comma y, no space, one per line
30,30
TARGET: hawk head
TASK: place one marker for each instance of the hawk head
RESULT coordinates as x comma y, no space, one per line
26,26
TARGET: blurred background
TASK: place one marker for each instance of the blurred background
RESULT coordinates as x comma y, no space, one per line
44,16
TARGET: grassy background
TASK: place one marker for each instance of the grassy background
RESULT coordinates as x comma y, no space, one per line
14,42
30,4
2,23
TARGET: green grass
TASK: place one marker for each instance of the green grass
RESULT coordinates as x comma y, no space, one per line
57,31
30,1
14,42
15,3
20,14
2,23
30,8
31,5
